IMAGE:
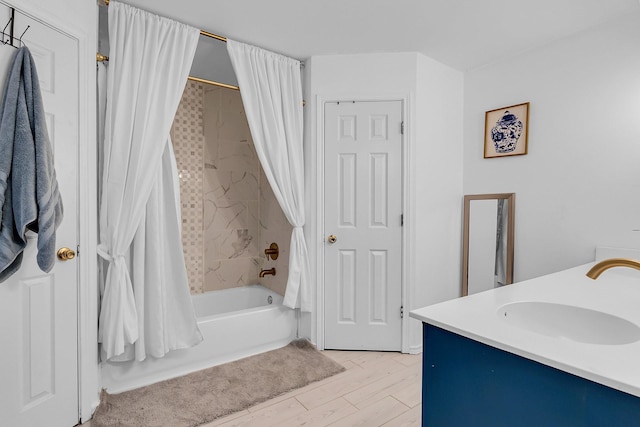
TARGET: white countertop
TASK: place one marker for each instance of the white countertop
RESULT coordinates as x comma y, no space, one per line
615,292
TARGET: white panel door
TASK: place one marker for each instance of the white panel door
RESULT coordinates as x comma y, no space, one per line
363,210
38,311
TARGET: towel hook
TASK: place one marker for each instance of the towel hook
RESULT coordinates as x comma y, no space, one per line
9,38
5,29
23,33
12,21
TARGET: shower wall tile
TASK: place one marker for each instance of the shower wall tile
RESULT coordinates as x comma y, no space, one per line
188,143
253,211
231,185
271,216
232,126
216,183
277,283
238,156
211,108
243,185
231,273
210,151
222,214
231,194
230,214
274,227
231,100
229,244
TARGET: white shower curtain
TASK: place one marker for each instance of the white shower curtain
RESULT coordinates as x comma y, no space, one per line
271,90
145,298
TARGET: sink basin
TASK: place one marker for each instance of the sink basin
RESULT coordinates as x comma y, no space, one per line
573,323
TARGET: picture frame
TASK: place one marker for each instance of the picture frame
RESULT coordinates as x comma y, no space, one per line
506,131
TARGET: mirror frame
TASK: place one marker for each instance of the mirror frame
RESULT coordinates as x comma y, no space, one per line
511,209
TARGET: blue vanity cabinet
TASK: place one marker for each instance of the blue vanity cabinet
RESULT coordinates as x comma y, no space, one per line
467,383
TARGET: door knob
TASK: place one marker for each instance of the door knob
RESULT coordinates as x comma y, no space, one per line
332,238
65,254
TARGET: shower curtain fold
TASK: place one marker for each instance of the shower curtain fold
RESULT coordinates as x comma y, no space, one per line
145,307
271,90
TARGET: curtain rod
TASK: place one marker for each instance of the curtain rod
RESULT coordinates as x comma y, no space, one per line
211,82
100,58
202,32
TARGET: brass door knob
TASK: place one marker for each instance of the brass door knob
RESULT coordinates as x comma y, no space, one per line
332,238
65,254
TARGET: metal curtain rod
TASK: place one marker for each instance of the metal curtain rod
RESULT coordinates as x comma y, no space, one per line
100,57
202,32
213,36
211,82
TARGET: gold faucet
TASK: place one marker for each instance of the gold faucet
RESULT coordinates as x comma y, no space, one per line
597,269
271,271
272,252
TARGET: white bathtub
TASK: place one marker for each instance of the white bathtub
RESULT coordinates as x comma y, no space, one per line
235,323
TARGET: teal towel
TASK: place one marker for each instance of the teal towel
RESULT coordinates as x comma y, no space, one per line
29,196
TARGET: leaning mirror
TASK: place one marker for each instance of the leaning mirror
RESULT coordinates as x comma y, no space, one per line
488,240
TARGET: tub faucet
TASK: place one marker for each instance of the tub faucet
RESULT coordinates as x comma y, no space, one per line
600,267
271,271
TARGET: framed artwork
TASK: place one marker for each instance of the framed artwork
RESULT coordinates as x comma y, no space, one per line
506,131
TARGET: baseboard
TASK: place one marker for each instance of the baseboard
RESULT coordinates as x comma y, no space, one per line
415,349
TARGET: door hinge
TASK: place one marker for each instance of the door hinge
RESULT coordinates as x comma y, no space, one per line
402,128
402,312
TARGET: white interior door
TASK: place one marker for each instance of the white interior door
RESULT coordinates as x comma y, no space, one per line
363,210
39,311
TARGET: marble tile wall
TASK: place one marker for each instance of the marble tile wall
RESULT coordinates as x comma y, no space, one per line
238,216
231,194
274,227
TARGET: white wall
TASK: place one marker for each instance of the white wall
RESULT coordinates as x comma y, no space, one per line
438,177
341,77
579,186
433,95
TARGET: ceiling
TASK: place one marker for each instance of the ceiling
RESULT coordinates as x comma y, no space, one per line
463,34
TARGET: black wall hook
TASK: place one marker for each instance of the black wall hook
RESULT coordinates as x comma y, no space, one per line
8,38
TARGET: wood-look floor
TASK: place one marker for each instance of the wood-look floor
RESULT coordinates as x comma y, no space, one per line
377,389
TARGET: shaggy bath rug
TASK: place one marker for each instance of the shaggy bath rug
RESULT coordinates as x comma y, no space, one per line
203,396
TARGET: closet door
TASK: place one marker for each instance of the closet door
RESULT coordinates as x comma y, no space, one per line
363,225
39,311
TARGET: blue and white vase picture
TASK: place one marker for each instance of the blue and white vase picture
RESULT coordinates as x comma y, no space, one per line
506,133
